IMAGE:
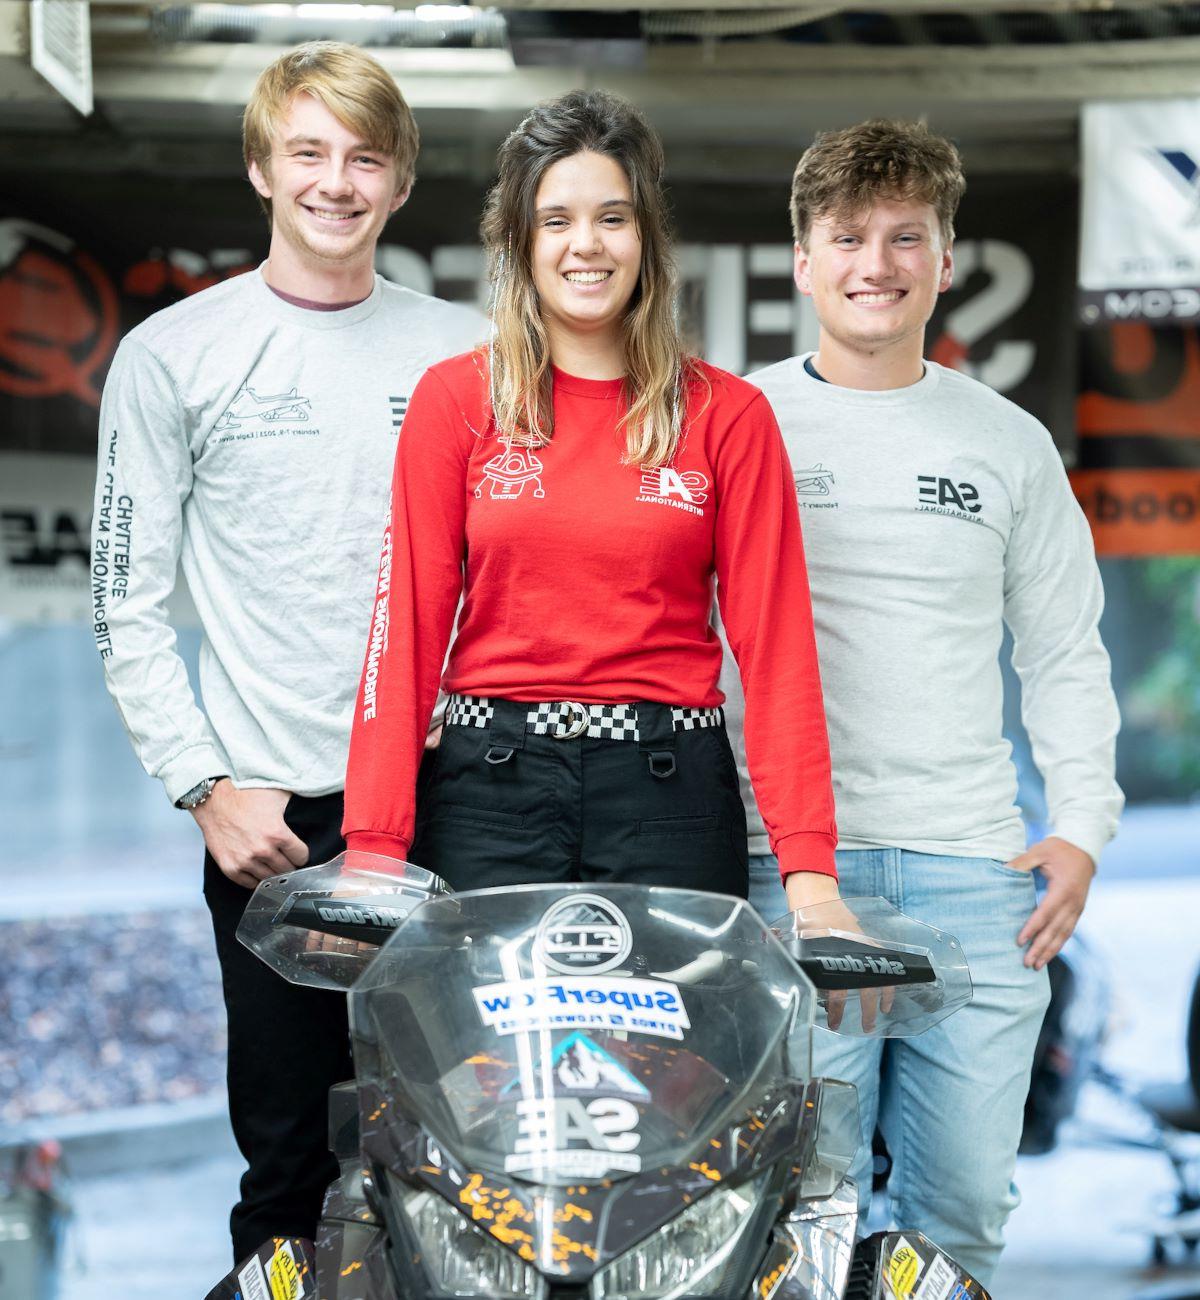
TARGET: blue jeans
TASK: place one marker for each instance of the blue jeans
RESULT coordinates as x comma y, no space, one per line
950,1102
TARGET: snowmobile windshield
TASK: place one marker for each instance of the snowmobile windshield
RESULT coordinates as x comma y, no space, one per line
565,1034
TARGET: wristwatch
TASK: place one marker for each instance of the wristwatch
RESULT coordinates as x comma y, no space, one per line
198,794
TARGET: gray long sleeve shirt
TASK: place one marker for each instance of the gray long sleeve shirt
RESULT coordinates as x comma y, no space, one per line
252,440
933,515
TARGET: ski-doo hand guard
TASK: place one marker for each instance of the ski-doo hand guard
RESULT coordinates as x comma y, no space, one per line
877,972
321,926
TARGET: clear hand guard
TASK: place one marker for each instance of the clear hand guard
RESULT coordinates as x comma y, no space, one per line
877,972
321,926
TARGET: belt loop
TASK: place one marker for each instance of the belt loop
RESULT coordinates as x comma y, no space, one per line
656,738
506,732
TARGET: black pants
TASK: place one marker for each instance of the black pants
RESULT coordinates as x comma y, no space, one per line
584,810
287,1047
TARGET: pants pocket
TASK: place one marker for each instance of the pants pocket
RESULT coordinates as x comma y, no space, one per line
1002,869
677,825
456,782
485,816
480,825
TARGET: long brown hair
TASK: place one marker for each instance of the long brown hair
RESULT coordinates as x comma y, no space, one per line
656,366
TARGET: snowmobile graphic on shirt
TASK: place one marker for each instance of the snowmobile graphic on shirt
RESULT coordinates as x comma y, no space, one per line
509,470
247,406
813,482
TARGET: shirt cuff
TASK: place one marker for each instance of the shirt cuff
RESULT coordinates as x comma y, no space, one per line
807,851
379,843
1090,838
186,770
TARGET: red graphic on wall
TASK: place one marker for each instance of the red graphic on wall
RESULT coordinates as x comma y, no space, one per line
177,271
58,314
949,352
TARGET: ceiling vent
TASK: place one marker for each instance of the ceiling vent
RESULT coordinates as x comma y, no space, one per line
61,48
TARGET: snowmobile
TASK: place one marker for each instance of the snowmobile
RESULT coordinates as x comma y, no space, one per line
573,1092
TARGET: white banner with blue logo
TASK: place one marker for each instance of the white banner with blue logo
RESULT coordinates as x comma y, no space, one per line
1139,249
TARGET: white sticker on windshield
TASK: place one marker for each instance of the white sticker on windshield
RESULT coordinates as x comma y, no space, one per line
253,1281
939,1281
640,1006
575,1139
583,932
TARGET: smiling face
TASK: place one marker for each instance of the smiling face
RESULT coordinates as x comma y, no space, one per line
331,193
586,251
875,277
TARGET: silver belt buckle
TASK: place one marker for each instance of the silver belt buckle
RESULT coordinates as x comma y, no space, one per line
579,721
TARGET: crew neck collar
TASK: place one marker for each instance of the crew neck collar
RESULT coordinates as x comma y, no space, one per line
311,304
281,308
604,389
917,392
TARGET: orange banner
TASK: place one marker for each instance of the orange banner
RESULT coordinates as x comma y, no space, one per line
1138,421
1141,511
1138,380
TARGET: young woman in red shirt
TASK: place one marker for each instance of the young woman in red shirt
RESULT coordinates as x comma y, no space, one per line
581,484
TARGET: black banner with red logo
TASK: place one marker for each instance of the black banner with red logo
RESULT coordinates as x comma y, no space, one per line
83,259
82,263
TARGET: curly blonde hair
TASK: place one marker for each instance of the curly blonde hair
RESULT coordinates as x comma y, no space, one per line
843,172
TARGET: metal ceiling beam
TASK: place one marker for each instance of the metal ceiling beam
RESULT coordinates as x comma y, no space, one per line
735,109
874,6
1154,58
107,153
745,73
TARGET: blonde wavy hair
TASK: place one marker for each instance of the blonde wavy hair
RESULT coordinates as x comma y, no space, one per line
657,369
356,89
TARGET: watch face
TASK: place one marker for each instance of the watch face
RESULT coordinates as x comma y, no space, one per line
198,793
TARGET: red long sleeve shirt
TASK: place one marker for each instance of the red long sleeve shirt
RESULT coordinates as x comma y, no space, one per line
587,579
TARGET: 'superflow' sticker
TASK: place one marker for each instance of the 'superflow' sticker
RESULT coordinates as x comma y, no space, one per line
637,1005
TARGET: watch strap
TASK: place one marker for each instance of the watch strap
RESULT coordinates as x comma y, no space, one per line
199,793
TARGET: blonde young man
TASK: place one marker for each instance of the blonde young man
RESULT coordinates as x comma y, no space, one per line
249,431
942,512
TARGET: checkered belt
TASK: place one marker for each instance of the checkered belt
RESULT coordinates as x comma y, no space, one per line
566,719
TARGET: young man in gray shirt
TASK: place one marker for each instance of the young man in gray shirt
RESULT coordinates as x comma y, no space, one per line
249,432
934,512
